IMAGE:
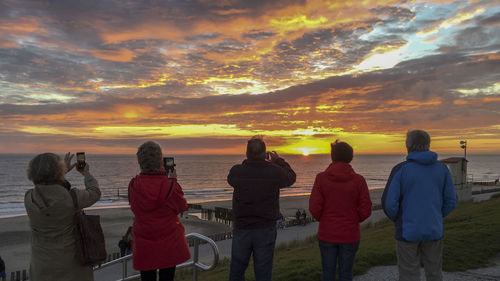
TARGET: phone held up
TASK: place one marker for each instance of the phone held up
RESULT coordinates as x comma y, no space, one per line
80,160
168,163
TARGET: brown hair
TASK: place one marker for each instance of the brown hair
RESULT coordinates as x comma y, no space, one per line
256,148
46,168
341,152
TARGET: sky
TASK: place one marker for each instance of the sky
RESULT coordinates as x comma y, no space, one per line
202,76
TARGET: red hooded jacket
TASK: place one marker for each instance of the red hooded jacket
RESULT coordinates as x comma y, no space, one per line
339,201
159,238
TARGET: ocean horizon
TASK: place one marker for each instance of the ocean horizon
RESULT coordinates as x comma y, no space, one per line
203,176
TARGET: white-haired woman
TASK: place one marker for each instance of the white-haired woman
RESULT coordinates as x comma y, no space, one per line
52,218
156,199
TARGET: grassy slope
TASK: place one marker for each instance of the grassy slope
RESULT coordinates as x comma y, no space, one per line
471,239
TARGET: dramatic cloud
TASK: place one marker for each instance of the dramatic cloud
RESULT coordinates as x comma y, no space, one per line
203,76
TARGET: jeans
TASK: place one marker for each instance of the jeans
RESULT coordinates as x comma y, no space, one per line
166,274
344,253
409,260
261,243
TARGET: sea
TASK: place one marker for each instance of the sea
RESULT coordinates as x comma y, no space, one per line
203,177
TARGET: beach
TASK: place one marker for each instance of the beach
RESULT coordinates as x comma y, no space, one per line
15,232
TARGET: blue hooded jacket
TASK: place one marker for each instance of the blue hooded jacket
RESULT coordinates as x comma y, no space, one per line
418,195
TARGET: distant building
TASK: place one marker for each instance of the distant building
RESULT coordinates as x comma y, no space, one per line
458,169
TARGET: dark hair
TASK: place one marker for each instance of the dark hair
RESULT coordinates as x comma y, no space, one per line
46,168
341,152
417,140
256,148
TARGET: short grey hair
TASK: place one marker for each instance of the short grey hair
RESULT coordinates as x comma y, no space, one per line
417,140
149,156
46,168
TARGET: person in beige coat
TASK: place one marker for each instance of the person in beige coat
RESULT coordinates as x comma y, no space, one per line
51,217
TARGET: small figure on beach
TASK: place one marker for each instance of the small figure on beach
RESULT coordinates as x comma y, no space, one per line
156,199
51,216
340,201
2,268
304,217
281,221
125,244
256,182
297,217
418,195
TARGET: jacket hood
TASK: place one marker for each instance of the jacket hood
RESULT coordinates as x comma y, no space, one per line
151,190
340,171
422,157
47,200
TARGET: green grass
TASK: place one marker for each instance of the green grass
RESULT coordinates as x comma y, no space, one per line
471,240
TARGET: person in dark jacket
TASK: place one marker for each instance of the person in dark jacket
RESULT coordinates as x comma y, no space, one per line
418,195
256,182
156,199
2,269
339,201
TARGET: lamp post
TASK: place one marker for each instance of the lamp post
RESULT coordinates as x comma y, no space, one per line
463,145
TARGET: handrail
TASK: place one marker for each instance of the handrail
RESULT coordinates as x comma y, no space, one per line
191,263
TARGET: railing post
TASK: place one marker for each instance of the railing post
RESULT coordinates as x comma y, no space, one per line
195,259
124,268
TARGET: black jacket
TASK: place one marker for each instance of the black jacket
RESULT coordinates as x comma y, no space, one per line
256,193
2,265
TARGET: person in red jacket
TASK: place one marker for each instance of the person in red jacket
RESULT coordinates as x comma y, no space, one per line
339,201
156,199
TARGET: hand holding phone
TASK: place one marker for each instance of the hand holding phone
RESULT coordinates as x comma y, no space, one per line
272,156
80,161
168,163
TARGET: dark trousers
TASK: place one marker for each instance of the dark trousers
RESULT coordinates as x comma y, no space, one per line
409,254
344,253
166,274
261,243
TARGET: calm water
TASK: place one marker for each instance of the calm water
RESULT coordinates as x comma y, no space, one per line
203,177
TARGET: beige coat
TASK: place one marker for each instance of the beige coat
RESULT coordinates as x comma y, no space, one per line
51,217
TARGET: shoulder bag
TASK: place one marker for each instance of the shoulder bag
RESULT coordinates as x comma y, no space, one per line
90,244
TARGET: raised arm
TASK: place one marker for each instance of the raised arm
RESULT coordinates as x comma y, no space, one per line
91,194
288,176
176,200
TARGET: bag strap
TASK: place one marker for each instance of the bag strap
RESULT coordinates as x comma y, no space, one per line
73,196
170,190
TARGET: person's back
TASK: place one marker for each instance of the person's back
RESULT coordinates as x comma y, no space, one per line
422,183
345,201
2,269
339,201
51,217
418,195
256,184
155,201
156,198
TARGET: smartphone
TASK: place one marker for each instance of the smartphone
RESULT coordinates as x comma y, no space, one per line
80,160
168,163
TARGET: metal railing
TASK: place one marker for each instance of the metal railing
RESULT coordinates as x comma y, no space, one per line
194,262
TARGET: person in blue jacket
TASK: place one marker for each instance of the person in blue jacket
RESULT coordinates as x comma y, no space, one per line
418,195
